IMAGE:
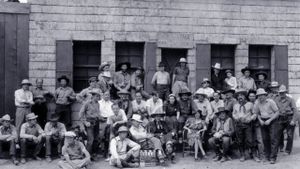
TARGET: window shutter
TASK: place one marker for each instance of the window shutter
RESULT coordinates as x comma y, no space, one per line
150,60
281,64
64,59
203,63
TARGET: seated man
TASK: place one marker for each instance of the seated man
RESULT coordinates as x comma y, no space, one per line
222,131
54,131
139,134
118,119
8,137
124,152
161,130
31,134
75,154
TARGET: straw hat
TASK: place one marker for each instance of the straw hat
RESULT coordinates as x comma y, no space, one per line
261,91
137,117
31,116
282,89
217,66
200,92
274,84
103,65
182,60
70,134
26,82
122,129
106,74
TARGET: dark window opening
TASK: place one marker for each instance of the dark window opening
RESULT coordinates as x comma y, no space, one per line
223,54
260,59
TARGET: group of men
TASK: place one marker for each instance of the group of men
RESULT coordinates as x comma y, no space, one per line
119,117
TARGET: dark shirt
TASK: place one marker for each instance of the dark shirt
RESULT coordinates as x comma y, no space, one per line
217,81
171,109
262,84
187,107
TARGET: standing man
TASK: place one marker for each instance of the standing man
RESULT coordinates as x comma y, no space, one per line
161,82
122,78
267,113
262,81
124,152
243,117
246,82
229,100
85,95
216,79
8,137
31,135
54,131
273,90
23,102
180,77
74,152
89,115
64,95
40,105
287,117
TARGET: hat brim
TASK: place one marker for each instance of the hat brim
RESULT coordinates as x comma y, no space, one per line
65,78
187,93
103,65
223,111
245,69
228,91
219,68
31,118
245,93
126,63
137,120
261,73
259,94
6,120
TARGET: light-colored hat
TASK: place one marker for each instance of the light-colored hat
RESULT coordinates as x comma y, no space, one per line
137,118
70,134
31,116
122,129
106,74
26,82
103,65
182,60
172,95
282,89
274,84
95,91
217,66
241,91
200,92
261,91
6,118
205,80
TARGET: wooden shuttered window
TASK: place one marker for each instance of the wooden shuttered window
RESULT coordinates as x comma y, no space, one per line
281,64
203,63
150,66
64,59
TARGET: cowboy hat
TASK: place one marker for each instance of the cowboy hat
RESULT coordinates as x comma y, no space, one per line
63,77
282,89
200,92
31,116
245,69
106,74
123,92
95,91
205,80
261,91
221,110
124,63
217,66
54,117
274,84
93,79
122,129
70,134
228,91
261,73
185,91
103,65
26,82
241,91
137,117
6,117
182,60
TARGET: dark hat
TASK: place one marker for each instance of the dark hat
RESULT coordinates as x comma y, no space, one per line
63,77
228,91
185,91
54,117
93,79
124,63
261,73
241,91
245,69
221,110
161,64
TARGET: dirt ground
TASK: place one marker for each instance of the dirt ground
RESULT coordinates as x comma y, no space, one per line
287,162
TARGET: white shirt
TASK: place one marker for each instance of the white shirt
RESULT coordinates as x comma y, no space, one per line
152,107
22,96
105,108
208,91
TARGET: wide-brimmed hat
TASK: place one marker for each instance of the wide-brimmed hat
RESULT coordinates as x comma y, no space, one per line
217,66
95,91
261,73
261,91
161,64
282,89
63,77
200,92
228,71
54,117
205,80
171,95
241,91
70,134
103,65
26,82
228,91
6,117
182,60
122,129
93,79
184,91
123,92
245,69
221,110
124,63
31,116
106,74
274,84
137,117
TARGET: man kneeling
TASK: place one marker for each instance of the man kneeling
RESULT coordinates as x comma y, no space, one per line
75,154
119,145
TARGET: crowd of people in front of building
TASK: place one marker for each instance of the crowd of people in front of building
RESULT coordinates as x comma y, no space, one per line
118,118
